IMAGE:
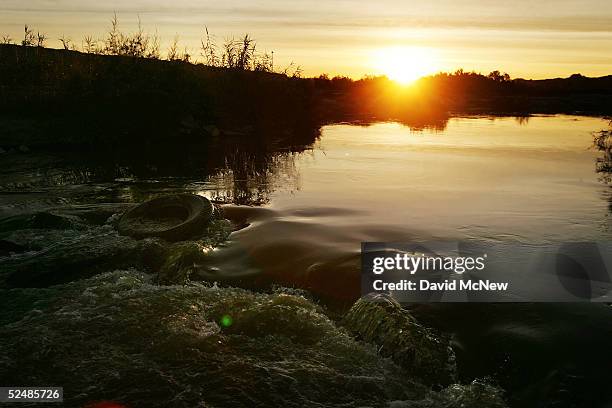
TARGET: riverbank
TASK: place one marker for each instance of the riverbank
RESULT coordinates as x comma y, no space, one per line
68,100
57,99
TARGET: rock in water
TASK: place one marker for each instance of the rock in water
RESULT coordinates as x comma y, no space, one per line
180,263
379,319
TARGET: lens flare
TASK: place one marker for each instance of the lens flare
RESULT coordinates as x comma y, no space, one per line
226,321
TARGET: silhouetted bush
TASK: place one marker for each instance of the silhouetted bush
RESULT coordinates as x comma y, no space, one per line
97,98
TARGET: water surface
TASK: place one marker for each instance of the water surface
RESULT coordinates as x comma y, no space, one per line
299,214
488,179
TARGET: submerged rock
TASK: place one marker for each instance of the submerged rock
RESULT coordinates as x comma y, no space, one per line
380,320
180,263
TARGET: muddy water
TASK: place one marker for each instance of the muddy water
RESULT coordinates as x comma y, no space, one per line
91,316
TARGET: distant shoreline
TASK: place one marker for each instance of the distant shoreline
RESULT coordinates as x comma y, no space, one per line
64,99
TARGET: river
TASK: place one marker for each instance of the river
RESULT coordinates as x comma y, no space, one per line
92,318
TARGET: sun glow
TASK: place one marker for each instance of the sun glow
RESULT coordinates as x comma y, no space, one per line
405,64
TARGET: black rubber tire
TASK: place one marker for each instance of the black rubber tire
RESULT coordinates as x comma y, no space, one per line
174,217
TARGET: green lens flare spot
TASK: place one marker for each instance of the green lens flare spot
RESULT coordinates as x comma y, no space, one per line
226,321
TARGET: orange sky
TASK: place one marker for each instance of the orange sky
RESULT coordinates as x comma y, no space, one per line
532,39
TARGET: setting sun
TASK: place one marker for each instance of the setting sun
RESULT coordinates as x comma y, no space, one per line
405,64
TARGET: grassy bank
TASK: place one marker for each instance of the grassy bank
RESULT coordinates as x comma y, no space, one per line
59,99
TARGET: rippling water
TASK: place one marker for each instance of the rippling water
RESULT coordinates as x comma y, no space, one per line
492,179
487,178
298,216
